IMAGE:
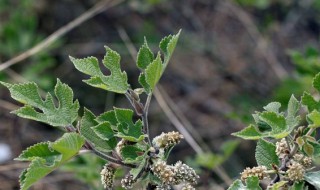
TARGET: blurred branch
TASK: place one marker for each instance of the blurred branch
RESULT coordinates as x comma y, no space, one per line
262,44
98,8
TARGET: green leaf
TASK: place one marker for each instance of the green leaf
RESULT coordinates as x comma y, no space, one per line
308,149
266,154
41,150
314,119
316,82
104,131
115,82
276,122
293,107
68,146
87,130
298,186
109,117
237,185
313,178
252,183
126,128
167,45
145,56
248,133
310,102
273,107
153,72
131,154
278,185
144,84
316,148
64,114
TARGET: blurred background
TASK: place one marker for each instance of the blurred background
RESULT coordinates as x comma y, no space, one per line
233,57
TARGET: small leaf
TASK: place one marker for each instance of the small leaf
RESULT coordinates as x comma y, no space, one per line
154,71
68,146
86,130
300,142
237,185
167,45
115,82
277,124
314,119
131,154
58,116
316,82
248,133
310,102
253,183
104,131
293,107
313,178
316,148
109,117
298,186
126,128
266,154
144,84
145,56
308,149
278,185
273,107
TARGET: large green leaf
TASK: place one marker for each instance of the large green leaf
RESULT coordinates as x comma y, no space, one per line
313,178
87,130
314,119
277,123
115,82
310,102
61,115
266,154
67,147
126,128
249,133
132,154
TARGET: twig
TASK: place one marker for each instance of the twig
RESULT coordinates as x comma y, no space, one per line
111,159
98,8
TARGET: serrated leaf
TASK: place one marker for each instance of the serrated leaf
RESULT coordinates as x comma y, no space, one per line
277,123
314,119
41,150
293,107
64,114
237,185
109,117
252,183
316,82
310,102
153,72
86,130
143,83
145,56
273,107
104,131
115,82
313,178
126,128
266,154
68,146
248,133
132,154
167,45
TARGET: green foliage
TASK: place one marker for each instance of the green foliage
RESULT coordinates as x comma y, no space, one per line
271,123
266,154
113,131
252,183
46,157
116,82
61,115
290,159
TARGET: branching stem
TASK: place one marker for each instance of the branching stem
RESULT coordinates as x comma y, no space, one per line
112,159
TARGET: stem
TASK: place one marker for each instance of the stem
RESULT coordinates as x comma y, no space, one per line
111,159
144,117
